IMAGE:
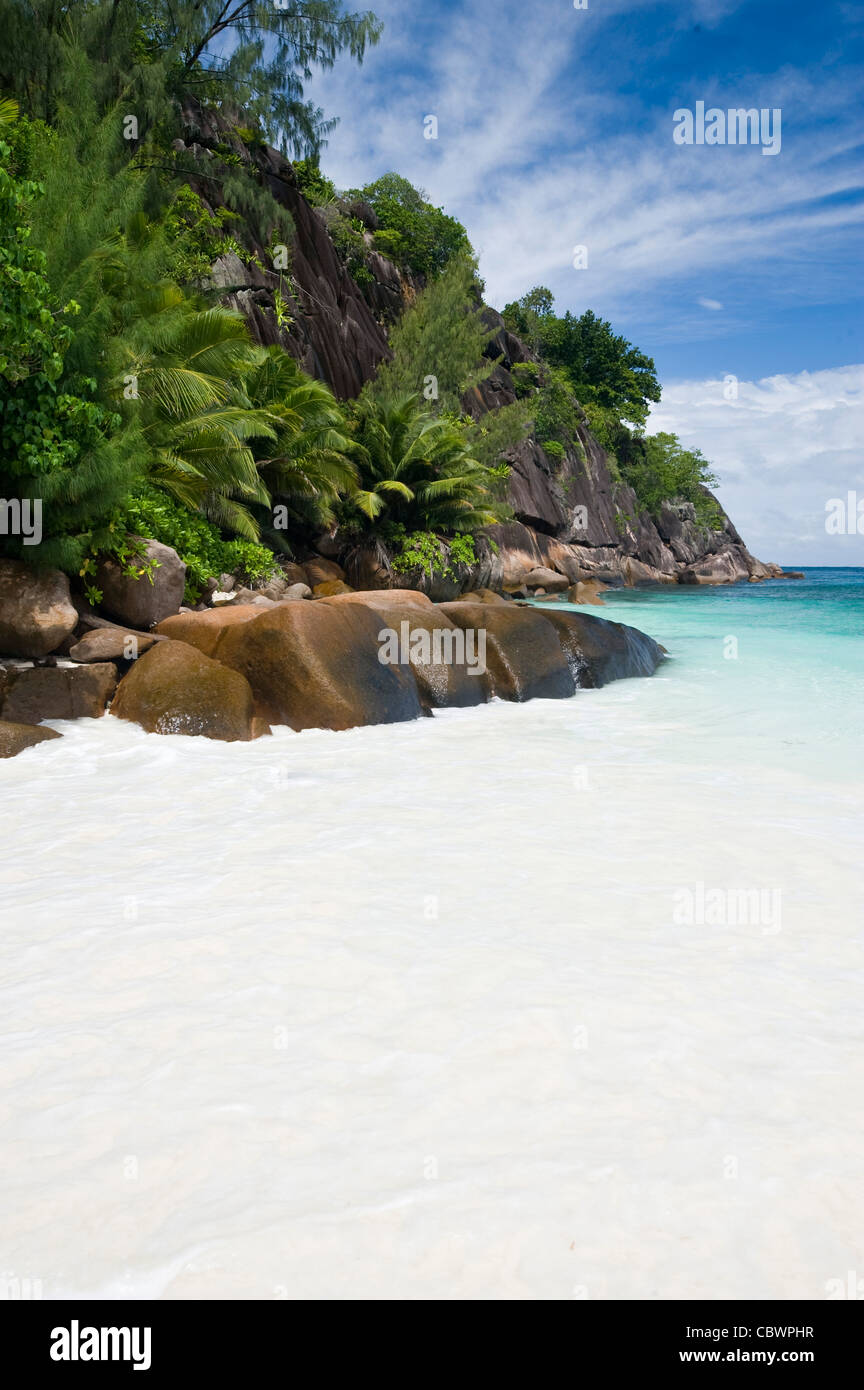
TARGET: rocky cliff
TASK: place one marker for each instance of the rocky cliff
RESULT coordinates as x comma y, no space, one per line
571,517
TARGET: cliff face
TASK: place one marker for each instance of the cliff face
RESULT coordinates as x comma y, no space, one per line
570,515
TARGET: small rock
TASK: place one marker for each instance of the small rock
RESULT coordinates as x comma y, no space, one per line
111,644
244,596
14,738
331,587
296,591
66,691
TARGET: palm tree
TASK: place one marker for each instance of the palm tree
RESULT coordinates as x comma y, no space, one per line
308,466
418,469
186,368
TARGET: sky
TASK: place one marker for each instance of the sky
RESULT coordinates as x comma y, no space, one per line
738,270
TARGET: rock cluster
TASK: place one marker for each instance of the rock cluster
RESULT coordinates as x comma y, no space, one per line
337,661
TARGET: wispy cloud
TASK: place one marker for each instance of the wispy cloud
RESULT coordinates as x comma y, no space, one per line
538,151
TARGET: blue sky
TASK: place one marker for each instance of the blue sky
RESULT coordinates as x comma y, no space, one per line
555,129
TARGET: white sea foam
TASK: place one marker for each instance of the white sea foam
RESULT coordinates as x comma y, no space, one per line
409,1011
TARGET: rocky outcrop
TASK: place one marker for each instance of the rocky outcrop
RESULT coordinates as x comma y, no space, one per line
29,694
524,658
175,689
147,588
36,612
571,513
14,738
315,666
384,598
334,331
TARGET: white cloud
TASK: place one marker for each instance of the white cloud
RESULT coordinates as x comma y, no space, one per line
710,303
782,448
537,153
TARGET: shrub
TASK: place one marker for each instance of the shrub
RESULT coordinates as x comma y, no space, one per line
412,232
198,542
316,188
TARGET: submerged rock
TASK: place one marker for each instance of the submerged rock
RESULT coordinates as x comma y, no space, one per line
524,658
14,738
586,591
175,689
315,666
36,612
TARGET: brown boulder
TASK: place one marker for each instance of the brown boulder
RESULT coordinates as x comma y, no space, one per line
522,663
331,588
384,598
321,571
151,591
293,573
203,630
14,738
482,596
175,689
316,666
541,578
587,591
598,651
36,612
29,694
111,644
425,642
726,567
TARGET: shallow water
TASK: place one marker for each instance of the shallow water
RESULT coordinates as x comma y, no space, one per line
439,1009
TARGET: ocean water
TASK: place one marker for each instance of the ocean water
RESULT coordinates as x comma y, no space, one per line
560,1000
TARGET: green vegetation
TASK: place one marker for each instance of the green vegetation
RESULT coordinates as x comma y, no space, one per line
250,55
150,512
599,365
412,232
582,360
132,403
417,472
56,444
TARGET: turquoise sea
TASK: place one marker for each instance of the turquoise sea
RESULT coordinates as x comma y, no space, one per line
774,671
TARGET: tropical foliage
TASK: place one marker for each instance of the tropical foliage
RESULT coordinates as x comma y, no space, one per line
417,472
